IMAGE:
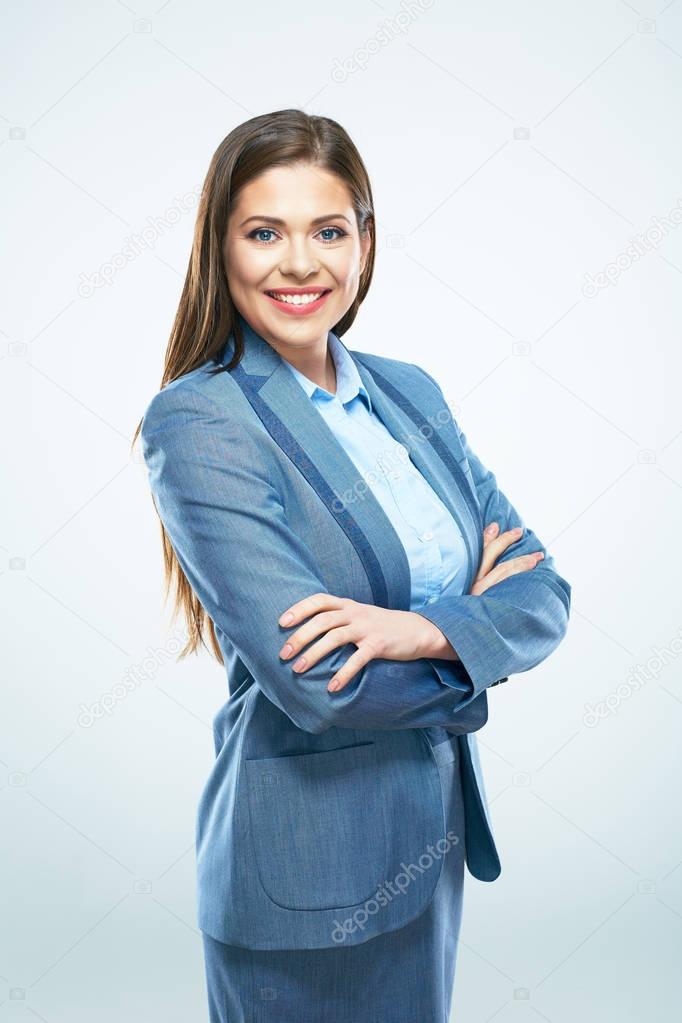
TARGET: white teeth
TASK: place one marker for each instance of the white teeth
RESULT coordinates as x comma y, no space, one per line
296,299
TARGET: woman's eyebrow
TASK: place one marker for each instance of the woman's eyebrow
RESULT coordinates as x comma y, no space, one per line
282,223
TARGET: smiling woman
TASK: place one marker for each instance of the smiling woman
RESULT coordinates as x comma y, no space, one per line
295,262
322,517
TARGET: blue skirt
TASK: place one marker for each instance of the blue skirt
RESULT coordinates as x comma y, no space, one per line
396,977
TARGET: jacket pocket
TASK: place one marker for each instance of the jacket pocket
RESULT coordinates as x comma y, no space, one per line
319,827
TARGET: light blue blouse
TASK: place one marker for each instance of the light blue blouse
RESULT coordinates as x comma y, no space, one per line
432,540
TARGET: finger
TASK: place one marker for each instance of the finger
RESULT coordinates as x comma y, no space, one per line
308,606
315,626
330,641
490,532
523,563
495,548
506,568
345,674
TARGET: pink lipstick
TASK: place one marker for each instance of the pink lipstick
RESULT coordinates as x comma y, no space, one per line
300,308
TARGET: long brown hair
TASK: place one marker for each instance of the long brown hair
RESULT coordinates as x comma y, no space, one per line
206,314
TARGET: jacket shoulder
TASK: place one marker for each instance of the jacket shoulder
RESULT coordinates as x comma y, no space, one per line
198,389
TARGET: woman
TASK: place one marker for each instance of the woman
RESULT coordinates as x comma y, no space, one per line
323,520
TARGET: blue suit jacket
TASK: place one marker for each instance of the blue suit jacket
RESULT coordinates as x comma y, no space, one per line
318,800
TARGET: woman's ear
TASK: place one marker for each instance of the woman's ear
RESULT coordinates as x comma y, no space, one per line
365,245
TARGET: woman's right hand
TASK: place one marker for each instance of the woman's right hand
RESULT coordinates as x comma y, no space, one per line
493,547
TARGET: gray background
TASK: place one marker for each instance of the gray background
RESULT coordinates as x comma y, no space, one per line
515,151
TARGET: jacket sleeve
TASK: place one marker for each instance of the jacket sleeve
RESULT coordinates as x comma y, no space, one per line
229,530
518,622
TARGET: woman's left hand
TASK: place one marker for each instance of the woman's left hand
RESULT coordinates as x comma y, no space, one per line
376,631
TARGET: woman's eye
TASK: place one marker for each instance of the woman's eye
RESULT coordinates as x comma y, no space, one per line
259,231
341,233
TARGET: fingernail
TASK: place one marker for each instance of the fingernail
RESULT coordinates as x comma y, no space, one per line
517,530
490,528
287,649
287,618
333,685
300,663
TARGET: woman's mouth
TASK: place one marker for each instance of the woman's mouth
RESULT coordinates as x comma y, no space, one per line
299,302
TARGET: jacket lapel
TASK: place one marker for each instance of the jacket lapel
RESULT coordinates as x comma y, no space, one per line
303,434
431,455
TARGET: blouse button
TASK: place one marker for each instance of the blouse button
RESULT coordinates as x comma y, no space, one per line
427,536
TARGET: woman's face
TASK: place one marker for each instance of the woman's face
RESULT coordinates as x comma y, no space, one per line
294,230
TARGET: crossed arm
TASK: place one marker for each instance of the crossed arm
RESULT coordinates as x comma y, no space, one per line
245,563
331,621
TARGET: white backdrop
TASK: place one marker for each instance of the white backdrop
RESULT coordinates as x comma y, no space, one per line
526,165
